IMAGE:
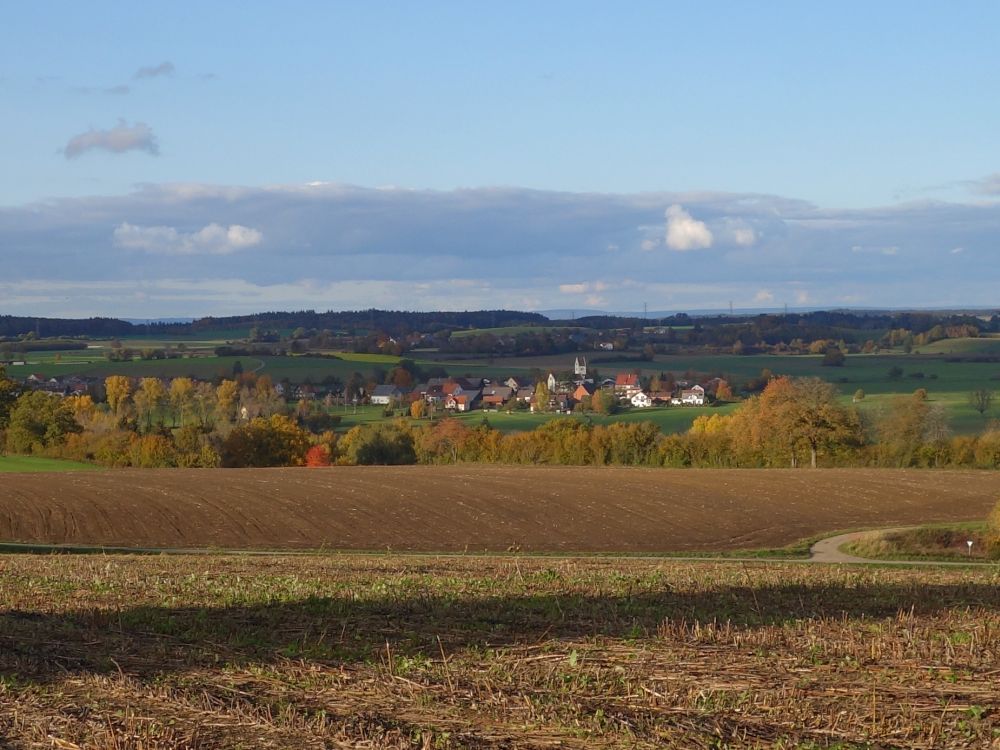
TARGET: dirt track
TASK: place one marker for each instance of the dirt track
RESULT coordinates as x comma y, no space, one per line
478,508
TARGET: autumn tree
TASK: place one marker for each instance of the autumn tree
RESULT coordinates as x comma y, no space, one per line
604,401
801,414
541,397
723,392
418,409
444,441
117,389
273,441
149,399
225,397
181,398
907,422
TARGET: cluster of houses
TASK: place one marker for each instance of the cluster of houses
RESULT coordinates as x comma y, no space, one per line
69,386
462,394
465,394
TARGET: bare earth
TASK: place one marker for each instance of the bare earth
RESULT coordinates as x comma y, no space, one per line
478,508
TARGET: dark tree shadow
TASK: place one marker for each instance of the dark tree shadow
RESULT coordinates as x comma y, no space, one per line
144,641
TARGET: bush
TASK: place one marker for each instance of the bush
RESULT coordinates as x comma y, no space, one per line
993,532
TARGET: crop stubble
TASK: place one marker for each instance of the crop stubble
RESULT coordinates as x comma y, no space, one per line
427,652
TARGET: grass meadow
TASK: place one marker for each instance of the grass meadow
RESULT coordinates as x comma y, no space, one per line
38,464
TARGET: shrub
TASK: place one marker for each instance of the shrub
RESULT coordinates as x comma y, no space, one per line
993,532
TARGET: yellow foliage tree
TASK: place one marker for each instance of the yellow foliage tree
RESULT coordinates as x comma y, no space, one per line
118,389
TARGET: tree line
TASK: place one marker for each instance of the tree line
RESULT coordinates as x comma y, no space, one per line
792,422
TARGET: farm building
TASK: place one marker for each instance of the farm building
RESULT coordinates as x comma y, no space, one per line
386,394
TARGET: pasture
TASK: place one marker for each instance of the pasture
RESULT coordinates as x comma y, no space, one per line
24,464
438,653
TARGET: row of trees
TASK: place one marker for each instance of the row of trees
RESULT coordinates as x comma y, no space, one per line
792,422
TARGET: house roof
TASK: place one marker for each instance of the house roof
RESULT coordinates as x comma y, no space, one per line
386,390
627,378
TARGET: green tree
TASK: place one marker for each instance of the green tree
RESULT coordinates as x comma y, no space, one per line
39,420
9,391
382,444
833,357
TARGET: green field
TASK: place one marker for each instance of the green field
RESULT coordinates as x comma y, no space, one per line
34,463
668,419
514,330
981,345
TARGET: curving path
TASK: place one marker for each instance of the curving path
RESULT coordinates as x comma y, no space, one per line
828,551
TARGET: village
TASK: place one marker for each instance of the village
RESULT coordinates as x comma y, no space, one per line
549,394
573,390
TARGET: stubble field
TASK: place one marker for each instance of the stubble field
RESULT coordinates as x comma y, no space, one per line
477,508
390,651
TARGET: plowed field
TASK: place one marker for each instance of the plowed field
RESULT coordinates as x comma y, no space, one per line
478,508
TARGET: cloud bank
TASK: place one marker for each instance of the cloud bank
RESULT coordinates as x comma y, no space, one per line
195,249
117,140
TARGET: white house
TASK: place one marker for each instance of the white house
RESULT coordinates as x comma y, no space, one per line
641,400
551,383
693,396
580,367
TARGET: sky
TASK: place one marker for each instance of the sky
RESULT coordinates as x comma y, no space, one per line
170,159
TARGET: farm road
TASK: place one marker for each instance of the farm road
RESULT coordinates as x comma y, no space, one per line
828,551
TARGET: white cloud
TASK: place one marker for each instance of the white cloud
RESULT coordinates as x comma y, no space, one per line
957,250
744,236
116,140
584,287
213,239
165,68
685,232
649,244
801,297
763,295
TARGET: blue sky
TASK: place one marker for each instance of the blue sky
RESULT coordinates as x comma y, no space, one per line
544,155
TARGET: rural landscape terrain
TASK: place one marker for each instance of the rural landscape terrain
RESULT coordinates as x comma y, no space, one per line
499,376
583,534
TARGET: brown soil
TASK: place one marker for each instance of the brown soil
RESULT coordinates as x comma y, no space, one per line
477,507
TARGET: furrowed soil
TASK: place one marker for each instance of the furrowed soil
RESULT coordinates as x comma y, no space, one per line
477,508
436,653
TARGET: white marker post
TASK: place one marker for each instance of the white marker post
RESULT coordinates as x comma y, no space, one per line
969,542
